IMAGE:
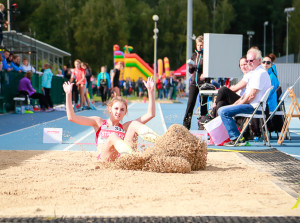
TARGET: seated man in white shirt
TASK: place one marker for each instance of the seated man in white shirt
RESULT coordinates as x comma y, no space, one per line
259,82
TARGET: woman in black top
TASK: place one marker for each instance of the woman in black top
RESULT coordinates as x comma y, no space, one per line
197,80
115,83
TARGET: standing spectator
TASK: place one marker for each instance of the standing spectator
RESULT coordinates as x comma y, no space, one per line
75,98
133,87
9,60
197,80
26,66
25,88
65,70
140,86
59,73
3,23
88,75
5,55
129,84
79,75
167,86
181,92
94,85
115,83
103,84
15,64
46,84
159,88
125,88
172,86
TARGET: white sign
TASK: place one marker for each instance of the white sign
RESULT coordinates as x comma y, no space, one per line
221,55
200,134
52,135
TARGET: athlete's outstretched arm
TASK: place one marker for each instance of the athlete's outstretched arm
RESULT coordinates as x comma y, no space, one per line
81,120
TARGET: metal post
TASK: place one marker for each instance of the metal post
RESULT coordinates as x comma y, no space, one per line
287,11
189,40
249,39
155,19
287,38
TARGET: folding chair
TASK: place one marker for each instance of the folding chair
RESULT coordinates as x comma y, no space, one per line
249,117
281,112
285,127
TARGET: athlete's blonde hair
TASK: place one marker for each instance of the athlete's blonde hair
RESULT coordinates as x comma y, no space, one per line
116,99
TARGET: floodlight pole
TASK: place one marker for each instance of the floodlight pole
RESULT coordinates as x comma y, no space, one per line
265,25
189,41
155,19
250,34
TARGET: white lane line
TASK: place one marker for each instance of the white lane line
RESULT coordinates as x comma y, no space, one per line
77,141
291,154
130,106
298,133
162,117
40,124
32,126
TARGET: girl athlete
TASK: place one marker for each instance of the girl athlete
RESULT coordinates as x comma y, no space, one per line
114,139
79,75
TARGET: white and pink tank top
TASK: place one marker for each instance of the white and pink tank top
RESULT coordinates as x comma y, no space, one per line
105,130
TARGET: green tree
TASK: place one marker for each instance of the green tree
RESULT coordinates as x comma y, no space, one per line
140,25
98,26
172,30
224,16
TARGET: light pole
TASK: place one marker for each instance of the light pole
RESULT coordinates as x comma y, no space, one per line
155,19
8,15
250,35
265,25
189,41
287,11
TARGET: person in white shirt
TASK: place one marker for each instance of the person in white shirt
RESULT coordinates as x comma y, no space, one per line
227,96
26,66
259,82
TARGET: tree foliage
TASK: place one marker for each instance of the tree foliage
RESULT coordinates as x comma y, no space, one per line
88,29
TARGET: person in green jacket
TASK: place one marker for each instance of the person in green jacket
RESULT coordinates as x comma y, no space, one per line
46,84
103,84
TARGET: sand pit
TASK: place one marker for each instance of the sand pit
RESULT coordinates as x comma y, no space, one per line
176,151
35,183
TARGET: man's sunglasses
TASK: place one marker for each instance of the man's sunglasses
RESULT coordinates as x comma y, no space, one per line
267,62
250,61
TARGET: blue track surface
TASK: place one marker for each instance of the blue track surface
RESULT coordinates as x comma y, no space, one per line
25,132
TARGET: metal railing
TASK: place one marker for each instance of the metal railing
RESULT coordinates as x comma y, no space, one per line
287,75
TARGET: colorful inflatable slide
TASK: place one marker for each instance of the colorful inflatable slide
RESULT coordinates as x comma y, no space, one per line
134,66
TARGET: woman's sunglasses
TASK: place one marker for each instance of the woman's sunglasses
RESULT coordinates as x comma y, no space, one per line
267,62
